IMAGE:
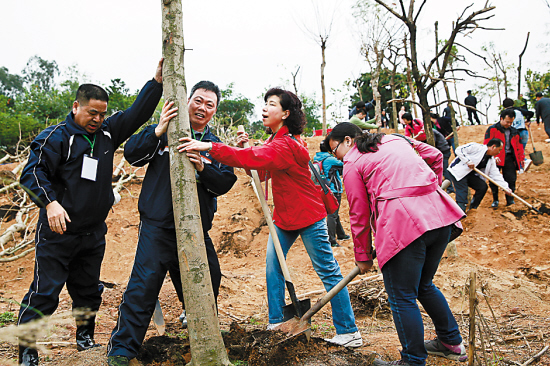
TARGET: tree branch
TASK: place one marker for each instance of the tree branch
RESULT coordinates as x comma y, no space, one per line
403,100
402,17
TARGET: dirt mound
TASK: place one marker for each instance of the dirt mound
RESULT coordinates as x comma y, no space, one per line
257,348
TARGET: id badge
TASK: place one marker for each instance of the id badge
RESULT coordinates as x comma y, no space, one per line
89,168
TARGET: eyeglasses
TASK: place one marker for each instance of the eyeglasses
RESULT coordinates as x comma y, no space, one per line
336,148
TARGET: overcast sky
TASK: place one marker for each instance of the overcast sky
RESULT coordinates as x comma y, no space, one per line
254,44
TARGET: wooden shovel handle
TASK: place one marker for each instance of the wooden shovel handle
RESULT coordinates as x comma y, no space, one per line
531,135
325,299
267,214
501,187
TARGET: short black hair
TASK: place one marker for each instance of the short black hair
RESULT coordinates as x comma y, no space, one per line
407,116
538,95
434,115
508,113
469,91
86,92
507,103
207,85
323,147
360,104
494,142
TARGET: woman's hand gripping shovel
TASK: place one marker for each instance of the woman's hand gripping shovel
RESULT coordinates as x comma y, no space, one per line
297,308
512,193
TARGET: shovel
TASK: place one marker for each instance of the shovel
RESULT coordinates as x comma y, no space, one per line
297,308
158,319
536,156
501,187
297,325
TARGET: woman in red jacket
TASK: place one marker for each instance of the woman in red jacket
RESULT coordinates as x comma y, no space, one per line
413,127
299,211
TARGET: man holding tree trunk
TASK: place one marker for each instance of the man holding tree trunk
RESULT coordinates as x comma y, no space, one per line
157,246
70,171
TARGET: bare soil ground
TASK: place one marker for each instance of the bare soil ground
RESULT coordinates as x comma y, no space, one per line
508,248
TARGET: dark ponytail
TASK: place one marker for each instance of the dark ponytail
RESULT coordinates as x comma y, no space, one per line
365,142
368,142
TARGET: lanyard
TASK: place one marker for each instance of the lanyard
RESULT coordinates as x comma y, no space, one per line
91,143
202,136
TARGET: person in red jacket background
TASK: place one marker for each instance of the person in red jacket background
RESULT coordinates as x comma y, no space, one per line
414,128
512,155
299,210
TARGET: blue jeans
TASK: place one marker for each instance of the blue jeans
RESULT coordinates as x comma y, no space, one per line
315,238
523,137
407,277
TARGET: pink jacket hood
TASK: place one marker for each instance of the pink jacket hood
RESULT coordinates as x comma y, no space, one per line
395,193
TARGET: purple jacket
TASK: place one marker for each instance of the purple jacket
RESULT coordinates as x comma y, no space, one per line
397,195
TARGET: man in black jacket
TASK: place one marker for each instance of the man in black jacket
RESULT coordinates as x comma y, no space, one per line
70,170
157,246
472,102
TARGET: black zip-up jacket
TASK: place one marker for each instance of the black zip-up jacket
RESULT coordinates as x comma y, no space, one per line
155,200
53,172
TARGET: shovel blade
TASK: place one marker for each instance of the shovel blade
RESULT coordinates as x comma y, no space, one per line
158,319
537,157
289,311
294,327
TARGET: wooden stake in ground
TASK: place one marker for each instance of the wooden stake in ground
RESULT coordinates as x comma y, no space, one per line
473,301
206,342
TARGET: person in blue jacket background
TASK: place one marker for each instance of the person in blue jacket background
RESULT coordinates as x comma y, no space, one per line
70,170
332,171
156,253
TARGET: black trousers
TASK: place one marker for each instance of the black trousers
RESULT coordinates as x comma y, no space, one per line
461,190
74,260
156,255
471,113
509,174
335,229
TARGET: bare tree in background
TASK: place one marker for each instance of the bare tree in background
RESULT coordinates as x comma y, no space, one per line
500,68
520,57
320,33
424,80
394,59
378,35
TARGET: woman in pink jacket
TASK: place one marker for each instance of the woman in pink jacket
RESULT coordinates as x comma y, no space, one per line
392,185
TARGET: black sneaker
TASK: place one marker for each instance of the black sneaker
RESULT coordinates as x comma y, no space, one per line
379,362
510,202
118,361
438,348
85,340
346,237
334,245
183,319
28,356
494,204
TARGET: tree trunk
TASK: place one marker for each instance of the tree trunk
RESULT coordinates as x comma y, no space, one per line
519,65
409,79
456,96
453,114
420,88
374,84
394,116
207,346
323,94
